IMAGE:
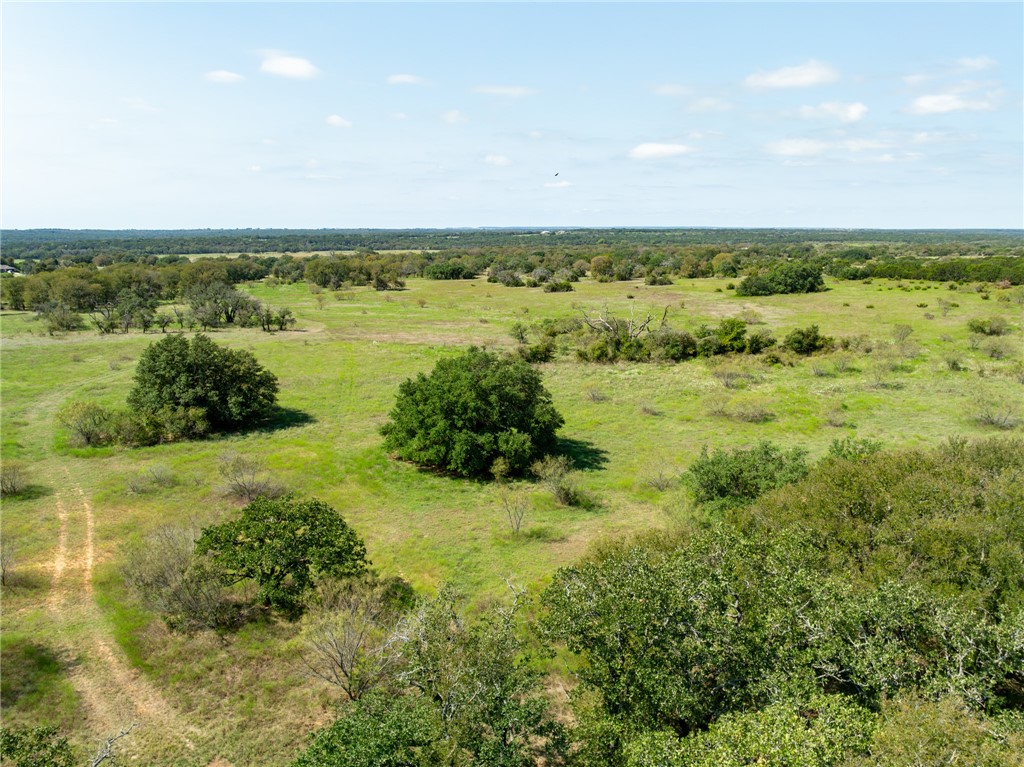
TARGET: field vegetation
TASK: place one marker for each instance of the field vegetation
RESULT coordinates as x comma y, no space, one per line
710,447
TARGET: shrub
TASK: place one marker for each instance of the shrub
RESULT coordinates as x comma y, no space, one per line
470,410
12,478
671,345
247,478
228,386
786,277
990,326
556,474
187,591
852,449
807,341
448,270
285,545
88,424
740,475
558,287
539,352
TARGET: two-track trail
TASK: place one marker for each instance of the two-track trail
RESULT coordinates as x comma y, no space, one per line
114,695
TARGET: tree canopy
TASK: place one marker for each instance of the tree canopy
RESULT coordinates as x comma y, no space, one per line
285,545
229,386
470,411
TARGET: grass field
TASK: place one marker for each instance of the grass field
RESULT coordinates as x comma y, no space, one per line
76,653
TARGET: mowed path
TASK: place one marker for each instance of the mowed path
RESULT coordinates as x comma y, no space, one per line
115,696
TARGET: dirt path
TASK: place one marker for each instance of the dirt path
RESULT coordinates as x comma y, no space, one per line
114,694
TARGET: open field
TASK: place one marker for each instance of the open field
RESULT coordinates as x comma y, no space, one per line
76,653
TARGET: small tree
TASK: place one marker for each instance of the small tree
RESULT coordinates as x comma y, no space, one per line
285,545
350,638
230,386
471,410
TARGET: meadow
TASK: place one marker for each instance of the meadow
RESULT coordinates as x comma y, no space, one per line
78,654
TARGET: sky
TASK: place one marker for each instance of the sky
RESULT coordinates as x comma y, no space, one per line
391,115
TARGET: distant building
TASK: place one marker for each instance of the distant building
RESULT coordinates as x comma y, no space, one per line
8,269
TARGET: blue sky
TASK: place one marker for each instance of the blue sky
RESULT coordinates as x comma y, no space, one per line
174,115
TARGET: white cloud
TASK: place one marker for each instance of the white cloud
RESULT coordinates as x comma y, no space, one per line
802,76
223,76
558,185
405,80
535,134
255,168
511,91
710,104
796,147
497,159
672,89
275,63
941,103
399,116
976,63
337,121
653,151
917,79
847,113
454,117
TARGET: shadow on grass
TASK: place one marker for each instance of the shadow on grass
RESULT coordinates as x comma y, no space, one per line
585,456
285,418
30,493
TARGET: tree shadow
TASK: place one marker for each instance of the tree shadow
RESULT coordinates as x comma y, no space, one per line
585,456
285,418
29,493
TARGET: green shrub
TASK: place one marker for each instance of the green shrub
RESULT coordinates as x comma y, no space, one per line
990,326
786,277
469,411
807,341
738,476
558,287
448,270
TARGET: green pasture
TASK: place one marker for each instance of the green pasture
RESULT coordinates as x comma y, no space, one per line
632,428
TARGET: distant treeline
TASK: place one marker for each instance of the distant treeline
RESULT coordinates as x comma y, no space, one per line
88,244
86,282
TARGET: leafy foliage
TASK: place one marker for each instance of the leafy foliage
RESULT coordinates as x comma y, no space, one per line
37,747
820,733
741,475
807,341
471,410
228,386
784,277
378,731
285,545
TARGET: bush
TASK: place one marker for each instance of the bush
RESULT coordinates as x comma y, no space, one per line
555,473
247,478
228,386
285,545
188,591
807,341
786,277
558,287
12,478
667,345
88,424
448,270
740,475
991,326
471,410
